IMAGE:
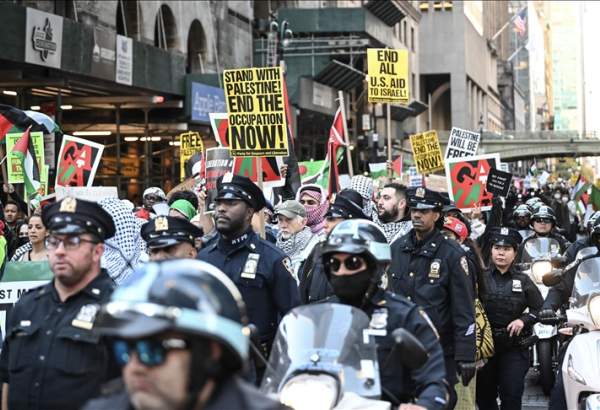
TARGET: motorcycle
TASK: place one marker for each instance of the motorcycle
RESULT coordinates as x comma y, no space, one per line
580,369
324,357
541,256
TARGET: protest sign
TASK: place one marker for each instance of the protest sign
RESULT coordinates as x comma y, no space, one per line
467,179
427,152
498,182
256,111
388,75
219,125
15,171
218,163
78,161
462,143
191,143
43,189
415,179
18,278
89,193
436,183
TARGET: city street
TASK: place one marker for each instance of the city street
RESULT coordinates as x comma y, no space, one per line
534,398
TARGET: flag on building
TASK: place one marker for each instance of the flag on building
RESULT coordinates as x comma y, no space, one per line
336,140
24,150
520,22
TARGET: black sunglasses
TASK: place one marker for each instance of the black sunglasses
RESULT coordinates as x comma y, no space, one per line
543,220
150,352
351,263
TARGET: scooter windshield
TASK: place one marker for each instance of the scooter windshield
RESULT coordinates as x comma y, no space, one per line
325,338
540,248
586,284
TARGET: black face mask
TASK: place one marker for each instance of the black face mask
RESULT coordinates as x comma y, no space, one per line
351,289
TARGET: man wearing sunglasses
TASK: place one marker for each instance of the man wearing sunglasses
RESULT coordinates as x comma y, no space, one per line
170,237
50,357
178,329
355,257
543,222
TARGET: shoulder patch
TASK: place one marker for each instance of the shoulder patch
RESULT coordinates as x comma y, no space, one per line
464,265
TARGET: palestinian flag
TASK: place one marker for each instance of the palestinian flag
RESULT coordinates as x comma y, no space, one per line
580,187
13,117
595,198
397,165
378,169
337,140
24,150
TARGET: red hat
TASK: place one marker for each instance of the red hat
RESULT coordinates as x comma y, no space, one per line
456,226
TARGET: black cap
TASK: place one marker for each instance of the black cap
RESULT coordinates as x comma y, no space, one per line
231,186
346,206
505,236
423,198
77,216
164,231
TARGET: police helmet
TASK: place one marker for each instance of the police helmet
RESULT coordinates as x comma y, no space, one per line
532,201
522,210
544,212
592,221
184,296
359,237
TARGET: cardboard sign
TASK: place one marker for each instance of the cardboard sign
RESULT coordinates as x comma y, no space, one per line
427,152
462,143
191,143
415,179
256,111
498,182
247,166
78,161
218,163
19,277
15,171
467,180
388,75
89,193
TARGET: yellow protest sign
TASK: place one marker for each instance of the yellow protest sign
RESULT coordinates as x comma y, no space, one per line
256,110
388,75
427,152
191,143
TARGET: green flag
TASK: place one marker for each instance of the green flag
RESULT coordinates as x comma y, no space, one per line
595,198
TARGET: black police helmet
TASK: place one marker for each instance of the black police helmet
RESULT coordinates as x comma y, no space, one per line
544,212
186,296
591,223
359,237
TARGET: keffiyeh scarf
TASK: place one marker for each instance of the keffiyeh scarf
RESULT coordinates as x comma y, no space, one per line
364,186
315,215
296,243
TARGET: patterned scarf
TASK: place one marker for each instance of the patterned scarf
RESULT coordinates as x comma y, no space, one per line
296,243
364,186
315,215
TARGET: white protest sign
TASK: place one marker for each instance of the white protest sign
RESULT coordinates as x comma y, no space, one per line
462,143
89,193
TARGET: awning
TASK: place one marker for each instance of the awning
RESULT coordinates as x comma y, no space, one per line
402,112
340,76
387,10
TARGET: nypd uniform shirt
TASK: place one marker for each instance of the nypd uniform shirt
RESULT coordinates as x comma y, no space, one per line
50,357
434,274
262,273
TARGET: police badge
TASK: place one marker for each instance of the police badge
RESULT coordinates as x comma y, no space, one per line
420,192
85,317
434,269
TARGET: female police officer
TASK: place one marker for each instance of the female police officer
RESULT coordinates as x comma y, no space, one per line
507,293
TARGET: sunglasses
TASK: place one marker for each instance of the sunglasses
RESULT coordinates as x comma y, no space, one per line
351,263
69,242
150,352
543,220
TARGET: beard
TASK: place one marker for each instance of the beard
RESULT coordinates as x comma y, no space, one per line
387,216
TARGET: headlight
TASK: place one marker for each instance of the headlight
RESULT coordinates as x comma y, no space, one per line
594,309
310,392
539,269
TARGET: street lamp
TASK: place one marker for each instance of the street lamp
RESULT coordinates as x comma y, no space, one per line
282,36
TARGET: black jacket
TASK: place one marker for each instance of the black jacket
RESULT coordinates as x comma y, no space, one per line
434,274
314,286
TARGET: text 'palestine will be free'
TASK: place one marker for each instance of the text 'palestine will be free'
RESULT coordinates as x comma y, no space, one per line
256,111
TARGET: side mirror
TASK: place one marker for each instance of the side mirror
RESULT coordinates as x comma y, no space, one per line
586,252
411,351
553,278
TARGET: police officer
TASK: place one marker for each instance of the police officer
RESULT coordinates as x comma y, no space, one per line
314,285
522,220
507,293
188,360
433,272
543,222
259,269
584,242
50,357
355,257
170,237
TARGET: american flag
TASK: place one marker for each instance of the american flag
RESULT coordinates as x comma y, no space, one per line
520,22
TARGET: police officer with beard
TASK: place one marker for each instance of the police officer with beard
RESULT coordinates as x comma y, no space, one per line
433,272
506,294
355,257
259,269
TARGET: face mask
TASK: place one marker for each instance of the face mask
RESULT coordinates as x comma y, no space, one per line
351,288
557,195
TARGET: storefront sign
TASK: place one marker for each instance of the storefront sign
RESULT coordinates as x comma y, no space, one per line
256,110
204,100
388,75
43,38
124,65
15,171
78,161
103,53
427,152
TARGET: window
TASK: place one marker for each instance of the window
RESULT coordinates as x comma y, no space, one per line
412,39
405,37
413,85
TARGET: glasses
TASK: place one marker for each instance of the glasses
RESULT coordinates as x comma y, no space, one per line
543,220
69,242
150,352
351,263
153,198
